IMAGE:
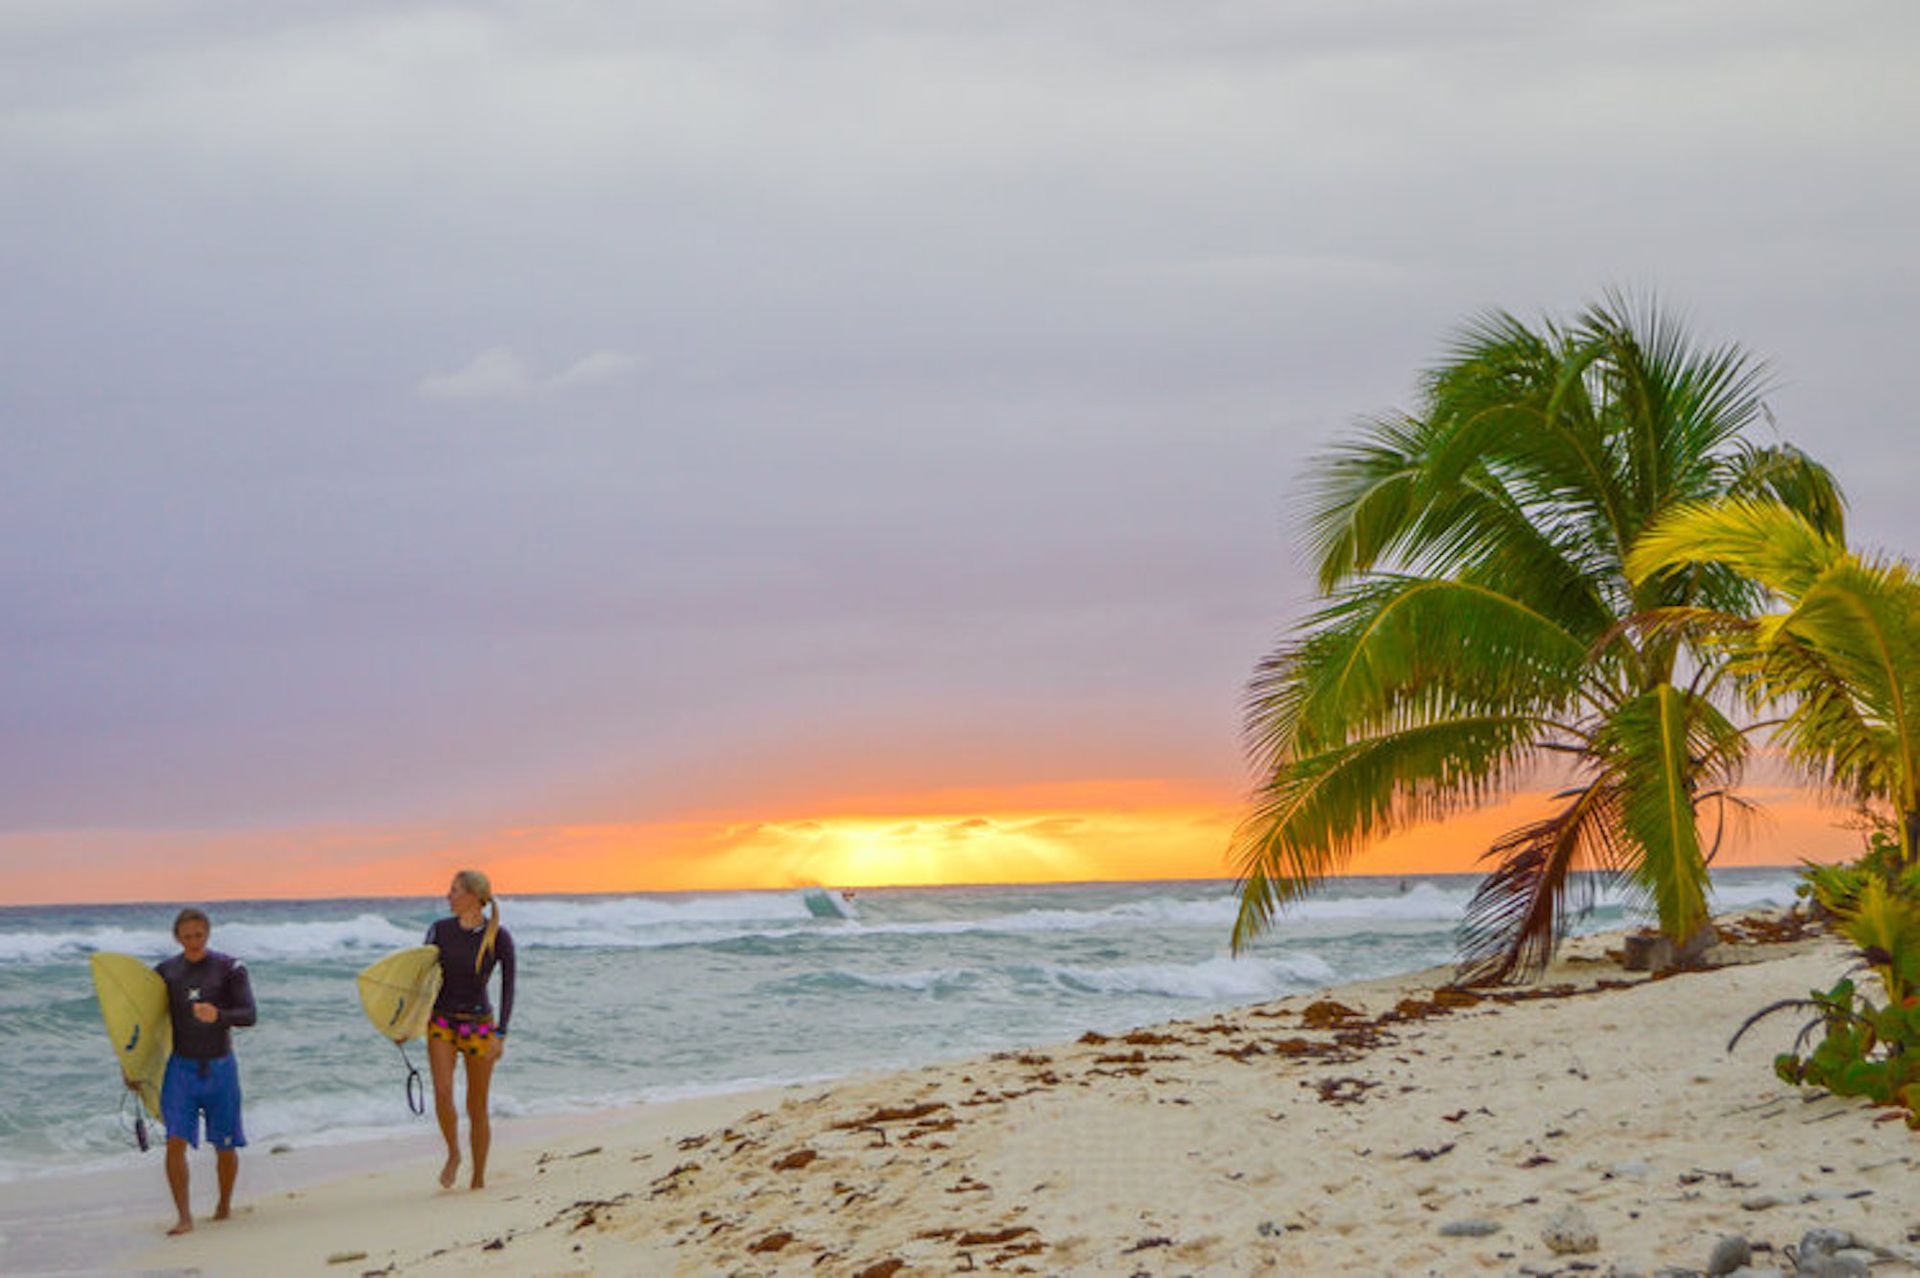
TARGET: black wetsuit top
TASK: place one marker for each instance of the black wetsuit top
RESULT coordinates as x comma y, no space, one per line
219,979
463,991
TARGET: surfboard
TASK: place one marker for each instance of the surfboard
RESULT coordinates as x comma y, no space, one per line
398,991
824,903
133,1004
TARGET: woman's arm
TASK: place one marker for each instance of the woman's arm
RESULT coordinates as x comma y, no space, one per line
503,946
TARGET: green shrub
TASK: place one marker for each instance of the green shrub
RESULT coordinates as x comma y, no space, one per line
1866,1048
1836,888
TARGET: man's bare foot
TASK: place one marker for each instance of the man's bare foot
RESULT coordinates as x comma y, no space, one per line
184,1227
221,1212
450,1171
479,1182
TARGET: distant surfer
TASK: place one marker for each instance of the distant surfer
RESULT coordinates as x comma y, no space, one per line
208,995
472,943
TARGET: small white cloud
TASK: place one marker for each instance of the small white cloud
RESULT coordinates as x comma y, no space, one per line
493,374
500,374
597,369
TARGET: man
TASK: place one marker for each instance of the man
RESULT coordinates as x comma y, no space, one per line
208,994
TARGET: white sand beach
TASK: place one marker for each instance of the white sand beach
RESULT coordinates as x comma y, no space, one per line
1283,1138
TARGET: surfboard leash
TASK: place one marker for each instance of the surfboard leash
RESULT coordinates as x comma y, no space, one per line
139,1126
416,1090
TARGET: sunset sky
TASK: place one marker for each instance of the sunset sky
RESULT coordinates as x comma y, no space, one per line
715,444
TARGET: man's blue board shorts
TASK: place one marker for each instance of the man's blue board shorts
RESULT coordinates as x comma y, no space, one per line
192,1088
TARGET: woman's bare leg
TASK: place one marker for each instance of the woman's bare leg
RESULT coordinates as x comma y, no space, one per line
440,1057
479,1127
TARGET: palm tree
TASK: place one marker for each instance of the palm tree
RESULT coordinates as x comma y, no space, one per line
1474,626
1842,657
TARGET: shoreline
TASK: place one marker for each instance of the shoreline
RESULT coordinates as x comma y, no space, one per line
41,1232
1281,1137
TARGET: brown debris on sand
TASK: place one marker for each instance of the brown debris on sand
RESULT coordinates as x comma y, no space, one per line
892,1114
1244,1143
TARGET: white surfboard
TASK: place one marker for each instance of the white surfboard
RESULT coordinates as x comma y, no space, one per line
825,903
133,1005
398,991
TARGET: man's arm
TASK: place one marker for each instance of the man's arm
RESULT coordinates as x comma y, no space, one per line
238,1007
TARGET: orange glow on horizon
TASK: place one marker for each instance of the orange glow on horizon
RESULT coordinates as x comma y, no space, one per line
1089,831
1789,827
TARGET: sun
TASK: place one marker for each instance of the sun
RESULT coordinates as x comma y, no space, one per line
859,851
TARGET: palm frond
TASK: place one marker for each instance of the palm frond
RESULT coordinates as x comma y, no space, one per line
1825,731
1316,812
1784,474
1384,649
1731,813
1863,620
1519,911
1414,497
1757,538
1363,499
1676,406
1650,745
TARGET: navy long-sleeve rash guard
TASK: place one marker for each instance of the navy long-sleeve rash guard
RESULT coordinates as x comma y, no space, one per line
463,990
219,979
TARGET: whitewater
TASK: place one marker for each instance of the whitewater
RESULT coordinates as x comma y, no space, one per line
625,999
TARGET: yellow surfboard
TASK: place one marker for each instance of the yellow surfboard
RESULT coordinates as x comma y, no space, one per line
398,991
133,1003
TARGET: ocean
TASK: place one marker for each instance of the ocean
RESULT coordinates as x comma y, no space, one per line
644,997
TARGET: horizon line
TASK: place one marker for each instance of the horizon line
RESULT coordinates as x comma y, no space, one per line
794,887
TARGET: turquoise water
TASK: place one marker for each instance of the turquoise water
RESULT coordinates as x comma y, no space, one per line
646,997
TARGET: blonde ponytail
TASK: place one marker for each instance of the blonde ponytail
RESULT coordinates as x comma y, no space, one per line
475,882
493,930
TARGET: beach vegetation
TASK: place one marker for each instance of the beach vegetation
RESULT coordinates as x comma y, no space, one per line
1839,660
1857,1044
1831,890
1477,628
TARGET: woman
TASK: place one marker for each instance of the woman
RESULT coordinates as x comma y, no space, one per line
472,943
